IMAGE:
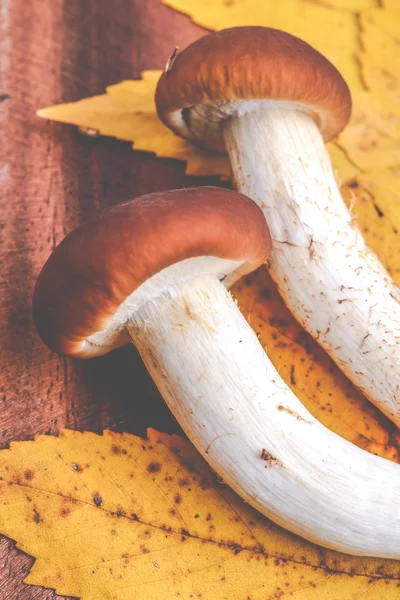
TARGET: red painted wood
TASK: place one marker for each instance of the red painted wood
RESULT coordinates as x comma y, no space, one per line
51,179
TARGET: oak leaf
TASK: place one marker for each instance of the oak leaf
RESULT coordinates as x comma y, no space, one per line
115,517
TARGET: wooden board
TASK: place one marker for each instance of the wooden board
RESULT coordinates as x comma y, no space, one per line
51,179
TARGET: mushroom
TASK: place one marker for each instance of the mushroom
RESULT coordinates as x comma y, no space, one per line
151,271
271,101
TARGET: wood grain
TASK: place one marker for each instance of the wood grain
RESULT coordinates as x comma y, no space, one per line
51,179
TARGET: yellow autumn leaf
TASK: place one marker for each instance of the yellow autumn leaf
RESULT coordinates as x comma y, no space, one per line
389,3
343,167
372,138
115,517
127,112
348,5
384,21
380,39
384,186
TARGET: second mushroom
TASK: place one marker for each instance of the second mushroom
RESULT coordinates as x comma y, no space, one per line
153,271
271,101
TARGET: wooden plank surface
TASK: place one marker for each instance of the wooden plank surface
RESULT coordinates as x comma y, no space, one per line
51,179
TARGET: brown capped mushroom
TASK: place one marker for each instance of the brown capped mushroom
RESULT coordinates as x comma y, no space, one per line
271,101
134,252
150,271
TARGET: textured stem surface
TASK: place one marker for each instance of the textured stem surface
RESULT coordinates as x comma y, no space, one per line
331,281
238,412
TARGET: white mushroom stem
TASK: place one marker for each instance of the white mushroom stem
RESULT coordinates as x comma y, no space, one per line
238,412
330,280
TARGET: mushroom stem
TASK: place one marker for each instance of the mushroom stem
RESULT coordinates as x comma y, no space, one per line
331,281
238,412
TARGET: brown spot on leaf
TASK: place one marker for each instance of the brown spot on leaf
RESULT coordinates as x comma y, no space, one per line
153,467
190,467
28,475
312,584
208,517
116,450
266,293
178,499
36,515
235,547
378,210
184,482
97,499
172,512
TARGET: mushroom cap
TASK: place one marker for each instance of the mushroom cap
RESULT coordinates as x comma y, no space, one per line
226,68
132,252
